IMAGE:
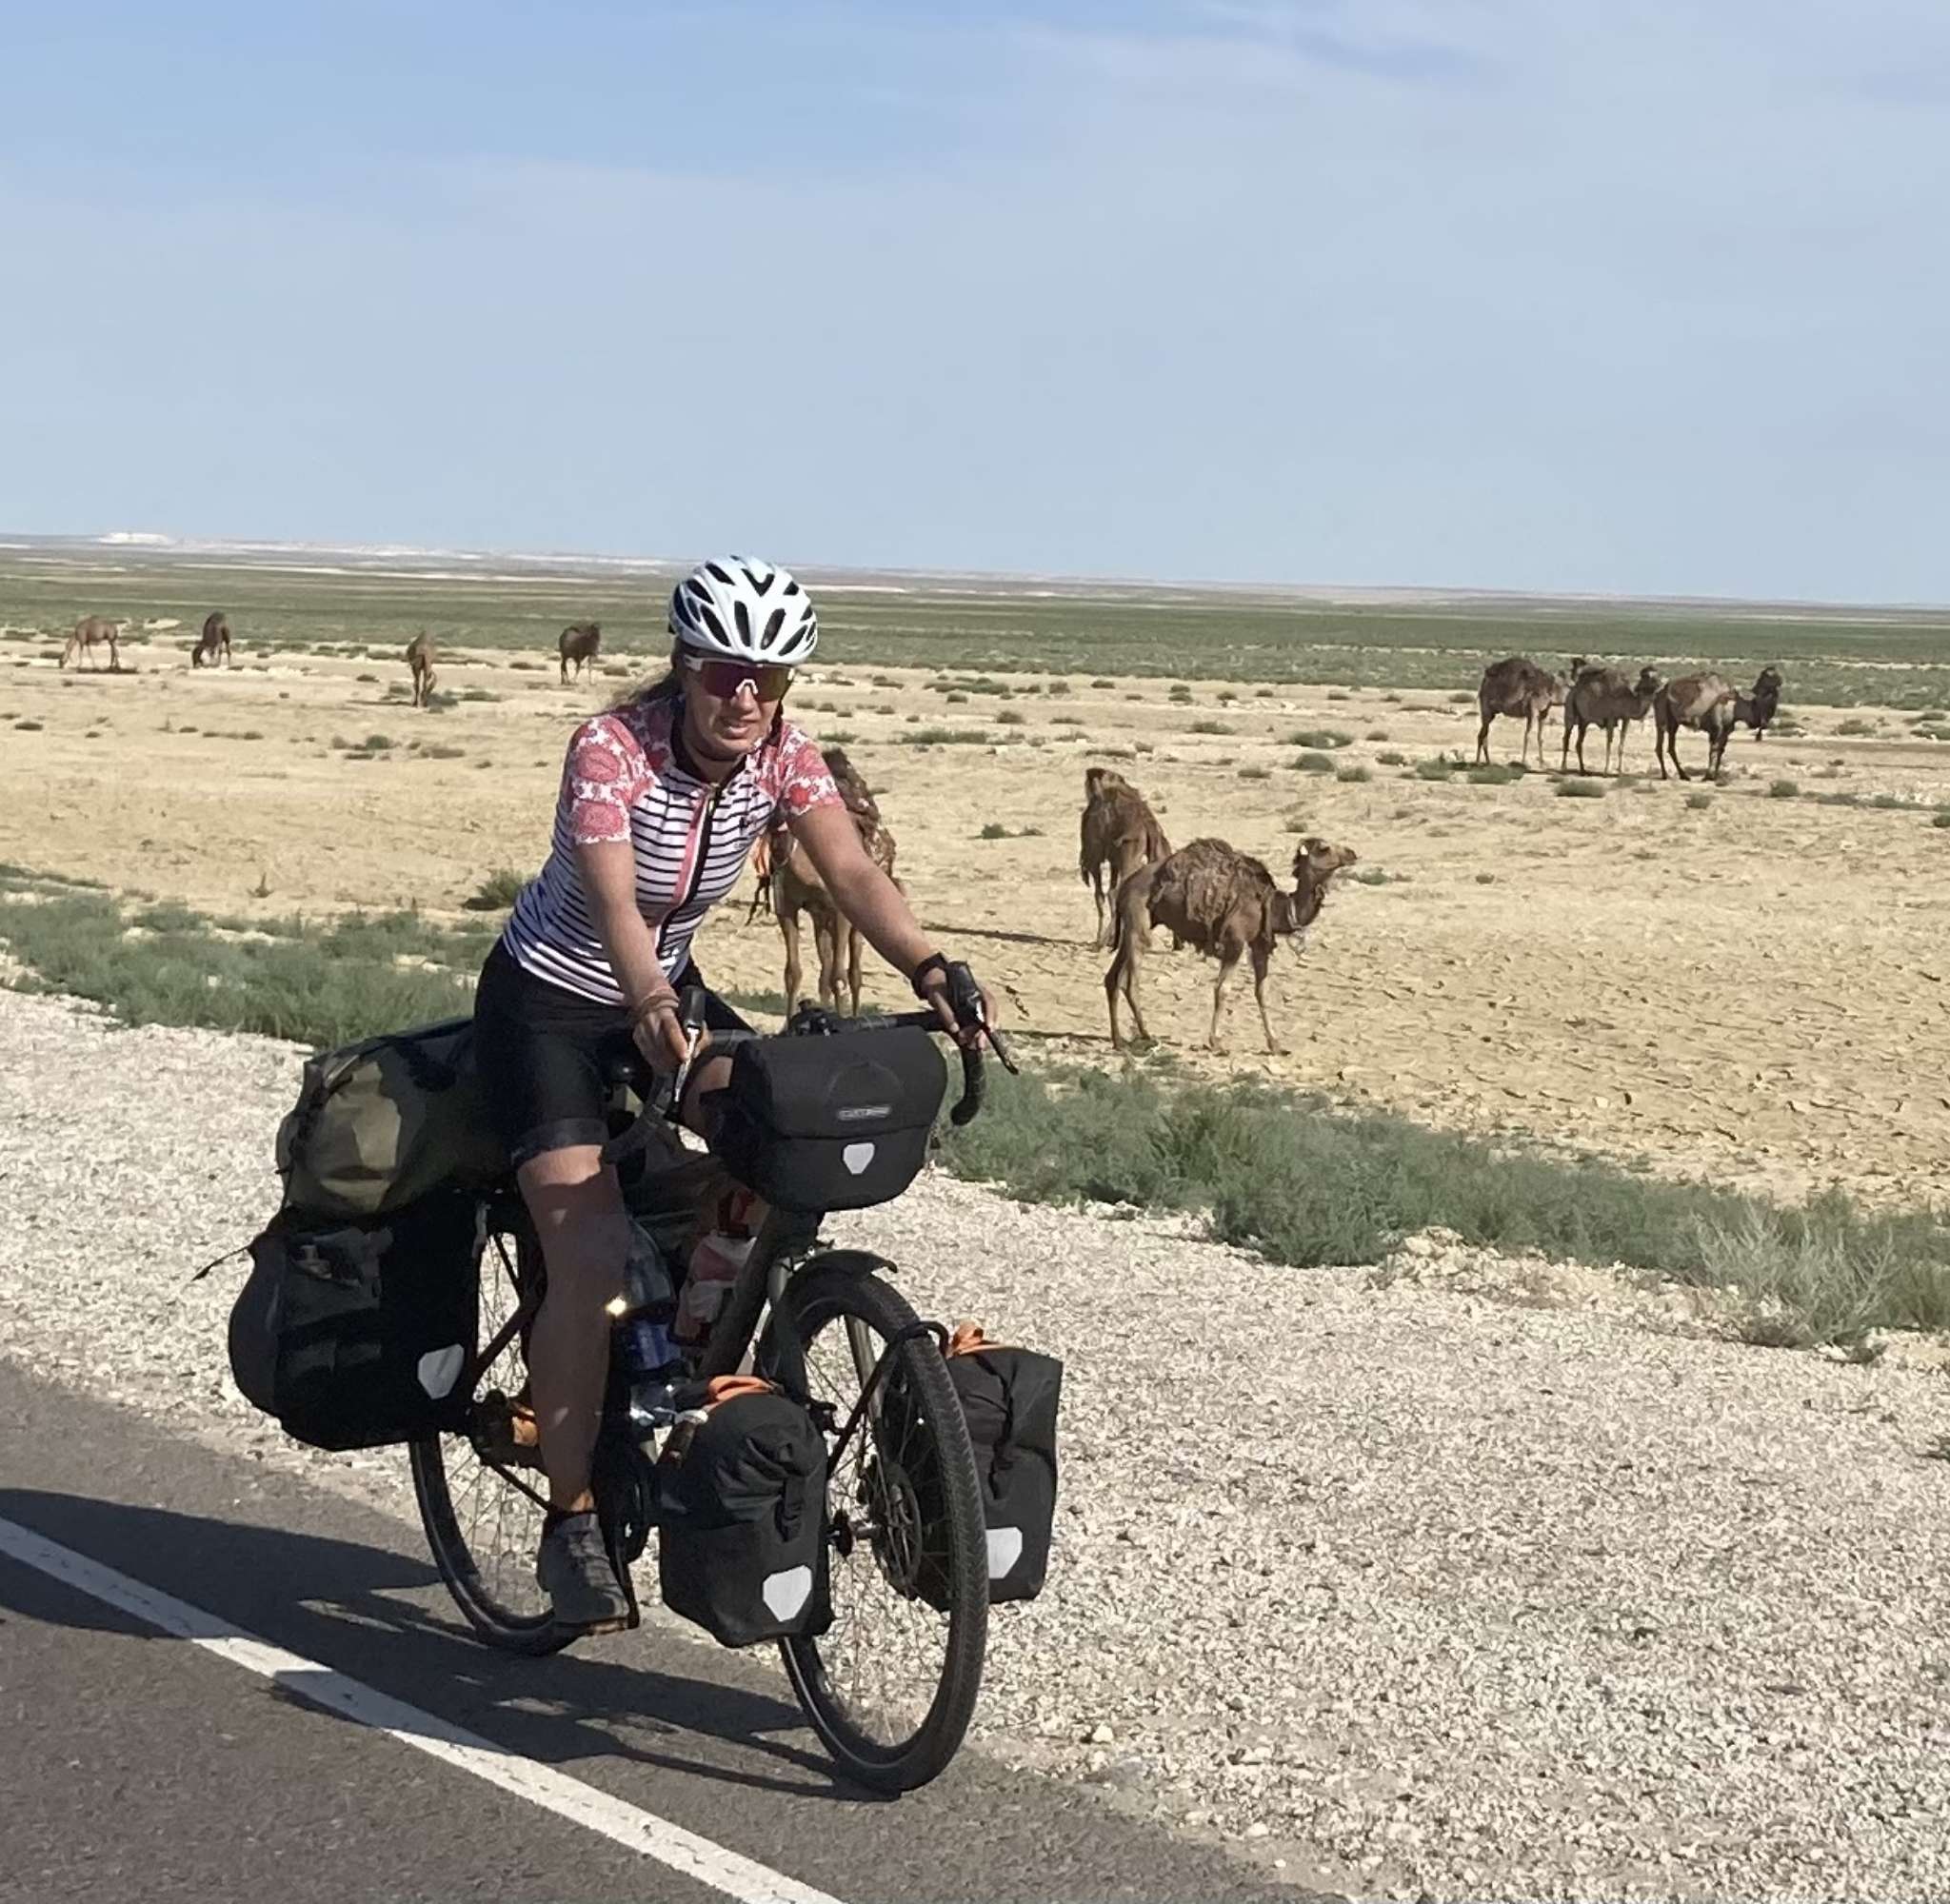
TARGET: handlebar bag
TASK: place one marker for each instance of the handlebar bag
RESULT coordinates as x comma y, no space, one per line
834,1122
741,1517
358,1335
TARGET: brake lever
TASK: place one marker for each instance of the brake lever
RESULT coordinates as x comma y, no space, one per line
667,1091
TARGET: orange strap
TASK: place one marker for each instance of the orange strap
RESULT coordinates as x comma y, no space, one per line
729,1387
968,1340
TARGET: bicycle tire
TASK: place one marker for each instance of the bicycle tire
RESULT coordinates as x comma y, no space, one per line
819,1295
482,1582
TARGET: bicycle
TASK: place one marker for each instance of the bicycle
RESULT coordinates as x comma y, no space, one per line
826,1326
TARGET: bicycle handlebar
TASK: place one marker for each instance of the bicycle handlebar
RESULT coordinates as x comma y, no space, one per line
663,1091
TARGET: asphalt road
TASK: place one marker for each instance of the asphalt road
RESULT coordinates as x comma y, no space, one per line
138,1765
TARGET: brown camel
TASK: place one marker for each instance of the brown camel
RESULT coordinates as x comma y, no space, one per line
1601,697
215,641
1707,703
1227,907
421,655
1120,832
1516,687
88,631
796,887
580,641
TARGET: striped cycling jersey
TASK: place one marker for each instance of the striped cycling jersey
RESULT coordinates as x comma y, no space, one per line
627,777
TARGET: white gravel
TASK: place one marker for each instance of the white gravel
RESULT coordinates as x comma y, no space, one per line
1404,1589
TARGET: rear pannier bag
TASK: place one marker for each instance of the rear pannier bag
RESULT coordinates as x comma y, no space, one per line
831,1123
1009,1399
741,1516
358,1335
384,1122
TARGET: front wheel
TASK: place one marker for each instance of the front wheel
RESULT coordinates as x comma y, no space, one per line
891,1685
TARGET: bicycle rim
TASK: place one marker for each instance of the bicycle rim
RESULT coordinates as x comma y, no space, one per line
481,1493
891,1685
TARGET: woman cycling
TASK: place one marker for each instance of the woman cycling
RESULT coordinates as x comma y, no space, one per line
661,800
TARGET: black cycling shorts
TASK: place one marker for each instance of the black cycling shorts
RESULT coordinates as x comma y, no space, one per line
540,1052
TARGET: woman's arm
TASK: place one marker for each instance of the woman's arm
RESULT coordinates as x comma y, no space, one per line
608,876
877,906
860,890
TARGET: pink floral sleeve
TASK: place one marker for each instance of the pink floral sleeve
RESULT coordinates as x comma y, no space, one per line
606,772
804,780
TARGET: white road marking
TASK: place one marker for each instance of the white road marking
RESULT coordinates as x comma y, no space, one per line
635,1830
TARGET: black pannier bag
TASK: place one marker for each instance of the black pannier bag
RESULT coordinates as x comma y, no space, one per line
1009,1399
831,1123
741,1516
357,1335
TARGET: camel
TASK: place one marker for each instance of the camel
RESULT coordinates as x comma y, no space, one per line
216,638
421,655
88,631
1516,687
797,887
579,643
1118,832
1226,905
1603,697
1706,701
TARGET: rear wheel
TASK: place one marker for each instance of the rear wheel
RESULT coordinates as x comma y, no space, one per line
481,1493
890,1686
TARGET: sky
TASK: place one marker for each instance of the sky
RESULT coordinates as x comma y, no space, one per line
1629,296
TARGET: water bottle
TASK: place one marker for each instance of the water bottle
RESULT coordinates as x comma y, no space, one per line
650,1362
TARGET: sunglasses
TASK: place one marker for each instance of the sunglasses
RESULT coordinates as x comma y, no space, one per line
723,679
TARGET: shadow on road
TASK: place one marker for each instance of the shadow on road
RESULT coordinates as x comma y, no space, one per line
382,1618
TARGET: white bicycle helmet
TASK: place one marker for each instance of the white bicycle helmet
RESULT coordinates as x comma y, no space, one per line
745,610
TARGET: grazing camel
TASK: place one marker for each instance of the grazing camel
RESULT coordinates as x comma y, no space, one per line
1516,687
215,640
796,887
88,631
1226,905
579,643
1601,697
1705,702
1120,831
421,655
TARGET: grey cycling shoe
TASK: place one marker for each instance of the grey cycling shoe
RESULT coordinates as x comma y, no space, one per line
573,1570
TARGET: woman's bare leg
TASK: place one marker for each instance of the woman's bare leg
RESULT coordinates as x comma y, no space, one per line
584,1237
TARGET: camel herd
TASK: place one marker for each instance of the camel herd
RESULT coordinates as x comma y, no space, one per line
1224,904
1593,695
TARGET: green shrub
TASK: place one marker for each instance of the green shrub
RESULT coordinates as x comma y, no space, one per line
1391,757
1439,767
1210,727
497,892
1308,1185
1314,764
1698,802
1319,737
1009,718
1582,789
945,737
1355,775
1783,789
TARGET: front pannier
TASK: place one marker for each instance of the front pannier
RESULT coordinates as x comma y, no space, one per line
356,1335
831,1123
1009,1399
741,1516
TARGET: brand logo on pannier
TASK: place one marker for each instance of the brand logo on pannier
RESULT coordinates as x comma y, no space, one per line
856,1156
858,1114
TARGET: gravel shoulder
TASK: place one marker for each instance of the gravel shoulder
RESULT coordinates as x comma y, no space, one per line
1421,1583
